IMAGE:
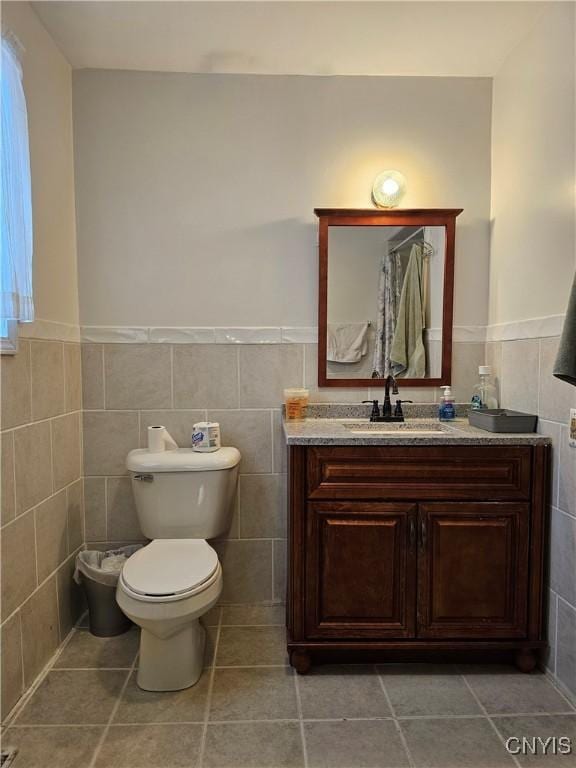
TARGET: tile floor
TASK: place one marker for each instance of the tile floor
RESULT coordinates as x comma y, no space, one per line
250,710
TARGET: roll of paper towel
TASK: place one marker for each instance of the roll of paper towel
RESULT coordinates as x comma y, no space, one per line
159,439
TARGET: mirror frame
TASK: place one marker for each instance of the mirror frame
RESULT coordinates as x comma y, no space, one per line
350,217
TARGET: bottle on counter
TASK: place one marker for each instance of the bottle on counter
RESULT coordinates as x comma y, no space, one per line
295,402
446,410
484,393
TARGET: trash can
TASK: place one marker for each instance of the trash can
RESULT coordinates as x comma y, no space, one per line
98,572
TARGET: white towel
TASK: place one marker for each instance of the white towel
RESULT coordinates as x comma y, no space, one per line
347,342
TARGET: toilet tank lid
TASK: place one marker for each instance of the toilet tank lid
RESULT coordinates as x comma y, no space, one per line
181,460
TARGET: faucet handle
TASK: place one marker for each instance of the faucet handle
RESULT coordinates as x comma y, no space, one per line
398,412
375,415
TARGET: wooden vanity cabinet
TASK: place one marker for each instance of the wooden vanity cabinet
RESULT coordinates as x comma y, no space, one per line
428,548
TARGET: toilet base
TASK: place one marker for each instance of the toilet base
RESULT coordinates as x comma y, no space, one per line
172,663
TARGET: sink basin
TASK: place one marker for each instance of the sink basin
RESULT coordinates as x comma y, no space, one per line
396,428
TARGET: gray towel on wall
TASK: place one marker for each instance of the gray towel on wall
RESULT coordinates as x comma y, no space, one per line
565,365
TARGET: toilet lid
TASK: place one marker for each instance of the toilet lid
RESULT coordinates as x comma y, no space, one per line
170,566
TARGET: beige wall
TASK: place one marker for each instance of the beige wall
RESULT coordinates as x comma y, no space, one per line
533,184
195,193
48,88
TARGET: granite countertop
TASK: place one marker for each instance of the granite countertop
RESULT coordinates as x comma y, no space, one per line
332,431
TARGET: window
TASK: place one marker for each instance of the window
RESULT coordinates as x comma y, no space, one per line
16,300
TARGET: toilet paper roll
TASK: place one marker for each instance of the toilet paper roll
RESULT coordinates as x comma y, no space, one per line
206,436
159,439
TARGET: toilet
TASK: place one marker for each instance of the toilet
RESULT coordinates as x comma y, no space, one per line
182,498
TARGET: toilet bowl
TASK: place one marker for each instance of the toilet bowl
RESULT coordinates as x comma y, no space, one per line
165,588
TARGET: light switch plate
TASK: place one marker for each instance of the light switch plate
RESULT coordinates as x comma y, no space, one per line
572,428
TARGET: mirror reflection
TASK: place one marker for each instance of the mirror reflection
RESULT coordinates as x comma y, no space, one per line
385,301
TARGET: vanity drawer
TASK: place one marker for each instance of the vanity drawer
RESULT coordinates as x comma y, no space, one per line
428,473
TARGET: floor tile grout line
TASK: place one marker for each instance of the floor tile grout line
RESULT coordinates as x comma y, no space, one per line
140,723
301,719
250,626
115,709
554,685
481,715
22,703
279,720
252,666
204,736
272,563
397,725
555,650
91,669
48,726
492,723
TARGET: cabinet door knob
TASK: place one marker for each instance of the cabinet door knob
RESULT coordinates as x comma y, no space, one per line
412,533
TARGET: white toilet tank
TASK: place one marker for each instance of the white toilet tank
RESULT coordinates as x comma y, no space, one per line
183,494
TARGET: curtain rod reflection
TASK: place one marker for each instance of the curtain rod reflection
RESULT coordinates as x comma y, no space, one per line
430,248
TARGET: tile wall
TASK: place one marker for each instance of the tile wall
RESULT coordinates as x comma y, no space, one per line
42,506
125,388
524,370
128,387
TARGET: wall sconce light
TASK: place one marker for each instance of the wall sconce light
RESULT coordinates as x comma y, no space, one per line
388,189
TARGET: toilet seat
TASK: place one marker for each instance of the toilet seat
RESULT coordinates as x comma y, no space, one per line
170,569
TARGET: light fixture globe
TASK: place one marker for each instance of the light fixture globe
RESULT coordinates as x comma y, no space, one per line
388,189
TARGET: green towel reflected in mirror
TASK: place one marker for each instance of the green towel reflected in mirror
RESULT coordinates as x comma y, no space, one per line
407,354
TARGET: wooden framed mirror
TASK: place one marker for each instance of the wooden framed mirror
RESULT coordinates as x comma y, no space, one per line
386,294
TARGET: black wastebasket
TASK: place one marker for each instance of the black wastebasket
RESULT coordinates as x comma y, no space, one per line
99,583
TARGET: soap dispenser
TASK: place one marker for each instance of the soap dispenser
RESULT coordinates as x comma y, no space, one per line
446,411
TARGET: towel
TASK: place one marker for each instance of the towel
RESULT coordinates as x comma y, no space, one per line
407,355
565,365
347,342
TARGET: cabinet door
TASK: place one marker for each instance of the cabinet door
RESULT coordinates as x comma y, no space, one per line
360,570
473,570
